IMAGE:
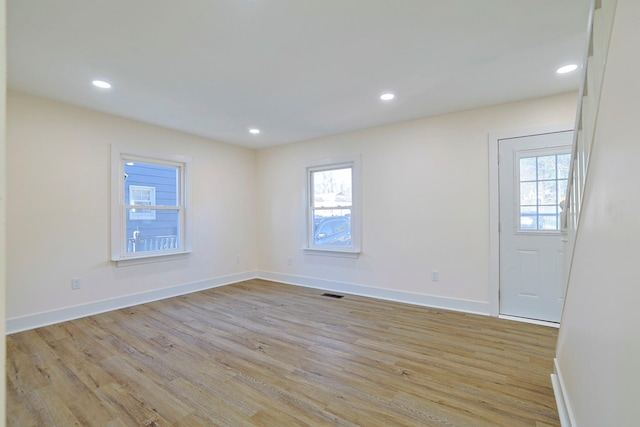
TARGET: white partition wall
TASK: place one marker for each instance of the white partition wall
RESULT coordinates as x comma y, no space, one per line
3,67
598,354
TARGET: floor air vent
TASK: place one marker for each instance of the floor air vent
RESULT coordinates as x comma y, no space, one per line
332,295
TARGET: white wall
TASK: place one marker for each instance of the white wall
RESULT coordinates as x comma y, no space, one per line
598,355
425,205
3,163
58,211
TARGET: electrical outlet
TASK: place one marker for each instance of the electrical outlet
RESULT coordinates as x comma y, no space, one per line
435,275
290,261
76,283
237,259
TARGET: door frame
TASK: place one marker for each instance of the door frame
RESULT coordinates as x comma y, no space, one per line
494,203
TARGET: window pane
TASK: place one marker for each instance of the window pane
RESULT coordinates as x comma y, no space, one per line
528,195
528,218
161,233
332,230
547,222
564,161
147,177
332,188
141,195
547,167
553,210
528,169
547,193
562,190
325,212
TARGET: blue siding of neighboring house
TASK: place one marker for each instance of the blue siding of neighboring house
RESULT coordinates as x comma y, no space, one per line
164,180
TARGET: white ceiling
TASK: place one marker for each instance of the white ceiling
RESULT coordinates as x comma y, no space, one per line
296,69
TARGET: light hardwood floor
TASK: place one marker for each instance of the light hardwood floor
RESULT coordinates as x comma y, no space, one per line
260,353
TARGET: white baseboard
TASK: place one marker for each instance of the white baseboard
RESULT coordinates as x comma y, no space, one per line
564,408
18,324
467,306
531,321
32,321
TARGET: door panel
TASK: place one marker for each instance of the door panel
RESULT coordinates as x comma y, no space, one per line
533,172
528,273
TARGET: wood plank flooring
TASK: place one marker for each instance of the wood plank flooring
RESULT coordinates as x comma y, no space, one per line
259,353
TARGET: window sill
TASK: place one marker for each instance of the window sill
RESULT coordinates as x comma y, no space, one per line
538,232
332,252
149,259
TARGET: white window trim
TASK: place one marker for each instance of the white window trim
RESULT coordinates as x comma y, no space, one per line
356,209
118,211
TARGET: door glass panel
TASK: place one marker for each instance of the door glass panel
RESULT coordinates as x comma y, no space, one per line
547,193
546,210
562,189
546,167
547,222
528,193
543,186
528,218
528,169
564,162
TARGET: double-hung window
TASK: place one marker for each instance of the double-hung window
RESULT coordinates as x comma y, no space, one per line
149,205
333,217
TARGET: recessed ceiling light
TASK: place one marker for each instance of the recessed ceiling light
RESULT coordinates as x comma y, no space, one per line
567,69
387,96
101,84
254,131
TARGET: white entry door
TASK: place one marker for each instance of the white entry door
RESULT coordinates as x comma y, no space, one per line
533,174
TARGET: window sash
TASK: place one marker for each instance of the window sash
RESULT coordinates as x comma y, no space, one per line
125,242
